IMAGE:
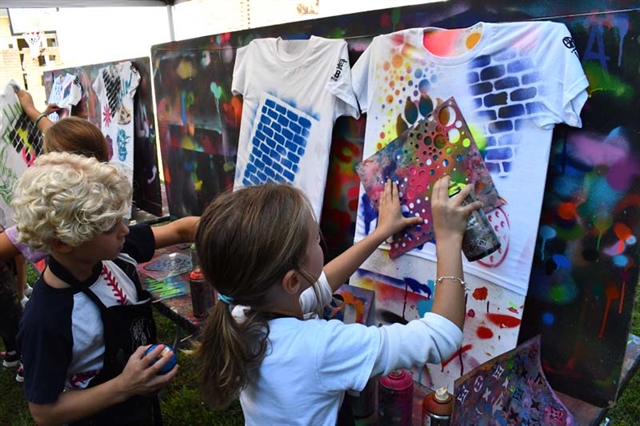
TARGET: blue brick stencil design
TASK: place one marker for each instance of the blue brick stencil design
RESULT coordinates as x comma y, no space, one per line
505,89
278,143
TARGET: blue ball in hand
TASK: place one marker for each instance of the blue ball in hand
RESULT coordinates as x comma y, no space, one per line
169,365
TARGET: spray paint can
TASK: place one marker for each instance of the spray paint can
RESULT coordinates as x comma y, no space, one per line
201,294
437,407
395,399
480,240
363,404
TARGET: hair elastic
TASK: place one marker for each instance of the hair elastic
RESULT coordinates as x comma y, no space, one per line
225,299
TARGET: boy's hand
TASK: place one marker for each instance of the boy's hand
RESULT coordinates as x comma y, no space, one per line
390,219
139,377
449,215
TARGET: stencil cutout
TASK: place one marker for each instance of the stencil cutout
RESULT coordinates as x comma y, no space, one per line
439,145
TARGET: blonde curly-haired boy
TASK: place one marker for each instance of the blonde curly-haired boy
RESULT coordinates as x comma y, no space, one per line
88,323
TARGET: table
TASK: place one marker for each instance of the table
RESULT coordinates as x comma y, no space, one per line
179,310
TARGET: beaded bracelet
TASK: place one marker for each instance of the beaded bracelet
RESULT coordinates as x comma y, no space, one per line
40,117
451,277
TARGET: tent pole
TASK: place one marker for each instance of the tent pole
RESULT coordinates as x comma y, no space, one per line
172,33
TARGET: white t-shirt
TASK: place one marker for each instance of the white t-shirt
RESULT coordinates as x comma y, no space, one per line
309,364
65,92
293,91
116,86
512,87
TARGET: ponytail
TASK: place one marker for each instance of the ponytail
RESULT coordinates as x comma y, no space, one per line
228,352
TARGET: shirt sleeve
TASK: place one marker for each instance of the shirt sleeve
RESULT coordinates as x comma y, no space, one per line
317,296
140,243
350,354
339,84
360,76
238,85
134,80
564,78
432,338
45,346
98,85
76,91
30,254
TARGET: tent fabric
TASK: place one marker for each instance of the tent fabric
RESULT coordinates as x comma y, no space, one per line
85,3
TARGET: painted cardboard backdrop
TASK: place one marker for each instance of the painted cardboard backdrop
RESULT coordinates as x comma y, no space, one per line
20,143
146,176
585,269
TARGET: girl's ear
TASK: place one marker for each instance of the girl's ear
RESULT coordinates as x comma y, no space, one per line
291,282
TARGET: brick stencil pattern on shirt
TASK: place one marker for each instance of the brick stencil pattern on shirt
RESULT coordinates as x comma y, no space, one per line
278,143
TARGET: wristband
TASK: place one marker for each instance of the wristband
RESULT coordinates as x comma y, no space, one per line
40,117
452,278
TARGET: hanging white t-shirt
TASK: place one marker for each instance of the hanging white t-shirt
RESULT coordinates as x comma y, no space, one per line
65,92
514,83
293,91
116,86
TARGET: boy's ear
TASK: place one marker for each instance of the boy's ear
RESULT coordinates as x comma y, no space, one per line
291,282
60,247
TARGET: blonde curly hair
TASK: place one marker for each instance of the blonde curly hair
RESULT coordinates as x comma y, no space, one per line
69,198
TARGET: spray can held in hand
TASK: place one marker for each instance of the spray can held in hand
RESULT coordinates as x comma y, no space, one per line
480,240
437,407
395,399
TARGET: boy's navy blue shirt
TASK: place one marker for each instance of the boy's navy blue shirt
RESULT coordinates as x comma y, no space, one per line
61,330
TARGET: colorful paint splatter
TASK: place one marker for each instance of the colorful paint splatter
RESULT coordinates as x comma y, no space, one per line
439,145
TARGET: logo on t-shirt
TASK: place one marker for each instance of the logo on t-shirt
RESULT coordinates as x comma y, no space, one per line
336,75
570,44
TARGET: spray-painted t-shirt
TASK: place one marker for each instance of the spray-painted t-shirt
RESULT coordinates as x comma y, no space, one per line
293,91
65,92
512,83
116,86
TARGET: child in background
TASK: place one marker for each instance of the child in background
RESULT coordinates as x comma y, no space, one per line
88,323
10,310
259,247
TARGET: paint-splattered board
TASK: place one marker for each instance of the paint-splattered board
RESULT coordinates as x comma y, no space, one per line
509,389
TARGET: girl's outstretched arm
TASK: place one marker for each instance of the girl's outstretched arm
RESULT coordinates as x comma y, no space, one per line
390,221
450,224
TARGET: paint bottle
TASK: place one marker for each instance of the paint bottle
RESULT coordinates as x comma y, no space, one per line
437,407
480,240
395,399
201,294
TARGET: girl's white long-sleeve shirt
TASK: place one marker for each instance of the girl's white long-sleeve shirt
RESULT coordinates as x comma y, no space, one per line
309,364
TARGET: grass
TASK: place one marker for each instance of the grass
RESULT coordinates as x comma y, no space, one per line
182,404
